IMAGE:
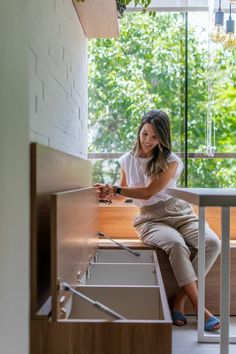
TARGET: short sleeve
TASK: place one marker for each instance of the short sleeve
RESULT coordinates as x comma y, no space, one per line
174,158
123,160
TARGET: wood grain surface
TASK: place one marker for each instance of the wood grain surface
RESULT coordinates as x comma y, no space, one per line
74,238
117,219
51,171
98,18
101,337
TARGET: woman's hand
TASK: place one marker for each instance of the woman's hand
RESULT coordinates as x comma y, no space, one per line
104,191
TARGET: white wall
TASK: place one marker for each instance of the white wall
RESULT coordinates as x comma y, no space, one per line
14,178
58,77
43,98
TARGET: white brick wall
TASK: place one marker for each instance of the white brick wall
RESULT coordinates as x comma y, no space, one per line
58,77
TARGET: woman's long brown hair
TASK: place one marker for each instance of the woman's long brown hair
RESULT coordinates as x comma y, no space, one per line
161,123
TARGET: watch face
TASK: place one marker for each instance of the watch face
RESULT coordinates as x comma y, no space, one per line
118,190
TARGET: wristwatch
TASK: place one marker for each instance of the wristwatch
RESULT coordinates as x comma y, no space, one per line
117,190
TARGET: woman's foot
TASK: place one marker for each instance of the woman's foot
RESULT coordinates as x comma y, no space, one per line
178,318
212,323
177,311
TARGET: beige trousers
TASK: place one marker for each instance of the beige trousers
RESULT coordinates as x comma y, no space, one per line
172,226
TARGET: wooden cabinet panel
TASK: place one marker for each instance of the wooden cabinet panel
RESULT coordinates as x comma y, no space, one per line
116,220
98,18
100,338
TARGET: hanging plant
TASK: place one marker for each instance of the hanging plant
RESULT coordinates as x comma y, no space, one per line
121,7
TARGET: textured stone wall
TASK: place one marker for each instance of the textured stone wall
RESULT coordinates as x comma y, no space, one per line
58,77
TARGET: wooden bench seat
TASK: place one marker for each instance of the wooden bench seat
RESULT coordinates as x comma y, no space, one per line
129,242
116,221
171,286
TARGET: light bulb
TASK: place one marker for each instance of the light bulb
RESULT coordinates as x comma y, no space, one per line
230,41
218,34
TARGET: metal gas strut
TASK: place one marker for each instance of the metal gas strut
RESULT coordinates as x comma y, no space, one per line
137,254
96,304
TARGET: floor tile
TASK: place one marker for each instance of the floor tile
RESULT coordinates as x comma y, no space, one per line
185,339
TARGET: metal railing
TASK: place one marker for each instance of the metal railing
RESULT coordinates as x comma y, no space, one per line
191,155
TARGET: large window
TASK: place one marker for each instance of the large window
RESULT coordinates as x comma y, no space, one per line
161,62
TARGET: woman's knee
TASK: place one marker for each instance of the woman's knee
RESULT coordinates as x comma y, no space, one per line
212,242
179,248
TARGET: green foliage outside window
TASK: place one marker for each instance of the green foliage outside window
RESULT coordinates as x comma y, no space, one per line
144,69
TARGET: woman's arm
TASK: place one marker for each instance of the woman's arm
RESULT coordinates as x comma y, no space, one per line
106,191
123,183
156,184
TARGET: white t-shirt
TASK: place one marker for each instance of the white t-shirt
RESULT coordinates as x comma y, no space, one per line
135,171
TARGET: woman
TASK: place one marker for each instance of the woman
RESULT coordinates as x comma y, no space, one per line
164,221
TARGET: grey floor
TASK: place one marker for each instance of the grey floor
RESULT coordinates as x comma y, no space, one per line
185,339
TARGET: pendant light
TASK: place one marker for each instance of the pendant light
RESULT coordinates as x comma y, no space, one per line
217,34
230,39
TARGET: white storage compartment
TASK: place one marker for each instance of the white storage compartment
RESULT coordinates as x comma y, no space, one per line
134,303
123,256
121,274
122,308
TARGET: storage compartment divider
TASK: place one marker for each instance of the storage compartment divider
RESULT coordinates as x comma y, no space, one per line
123,256
121,274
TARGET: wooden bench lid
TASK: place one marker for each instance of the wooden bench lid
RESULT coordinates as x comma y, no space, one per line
51,171
74,237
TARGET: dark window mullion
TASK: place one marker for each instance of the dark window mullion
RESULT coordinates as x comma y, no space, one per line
186,105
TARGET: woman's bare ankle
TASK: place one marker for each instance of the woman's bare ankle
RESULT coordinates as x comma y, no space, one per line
179,304
208,314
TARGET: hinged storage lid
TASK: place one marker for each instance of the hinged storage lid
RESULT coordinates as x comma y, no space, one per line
51,171
74,239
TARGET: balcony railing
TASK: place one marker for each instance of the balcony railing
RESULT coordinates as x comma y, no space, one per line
191,155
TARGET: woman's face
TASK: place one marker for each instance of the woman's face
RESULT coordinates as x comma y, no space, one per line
148,139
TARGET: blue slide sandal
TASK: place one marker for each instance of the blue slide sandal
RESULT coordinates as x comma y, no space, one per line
178,316
210,324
